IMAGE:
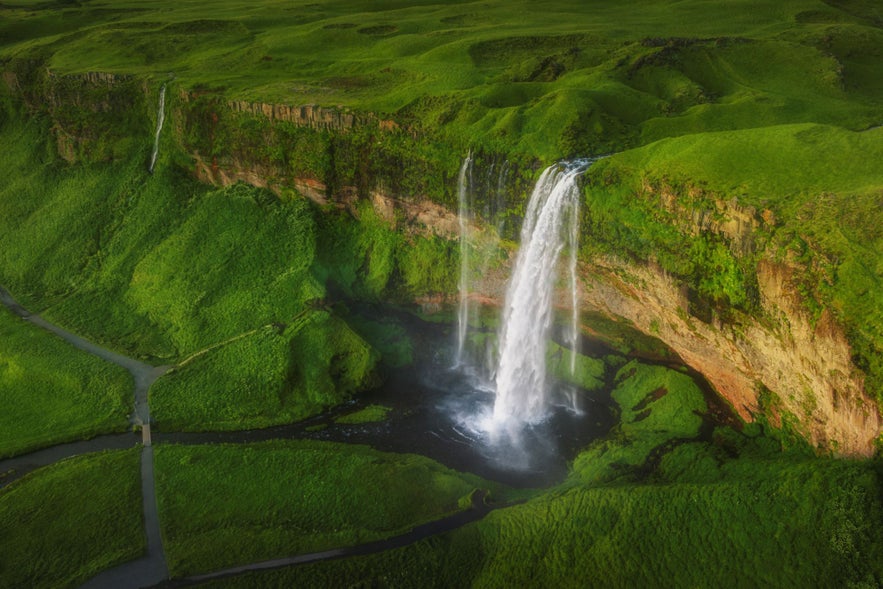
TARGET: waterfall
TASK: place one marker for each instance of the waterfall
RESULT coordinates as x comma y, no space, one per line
160,118
573,336
463,189
521,388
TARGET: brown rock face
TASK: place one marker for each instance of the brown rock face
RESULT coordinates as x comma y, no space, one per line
806,368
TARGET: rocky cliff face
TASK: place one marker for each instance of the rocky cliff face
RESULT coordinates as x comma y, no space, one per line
781,366
87,110
308,115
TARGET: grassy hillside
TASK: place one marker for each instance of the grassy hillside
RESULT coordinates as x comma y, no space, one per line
819,188
771,106
167,269
548,78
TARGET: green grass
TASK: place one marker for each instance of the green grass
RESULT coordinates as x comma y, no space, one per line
52,392
256,270
775,523
807,523
278,374
64,523
656,405
578,78
223,505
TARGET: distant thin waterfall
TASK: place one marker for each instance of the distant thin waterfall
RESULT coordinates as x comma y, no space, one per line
464,185
160,118
521,395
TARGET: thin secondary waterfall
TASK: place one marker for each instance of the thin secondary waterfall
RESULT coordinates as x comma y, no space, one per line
573,336
160,118
521,395
463,189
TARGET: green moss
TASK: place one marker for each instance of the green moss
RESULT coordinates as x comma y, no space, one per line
386,335
65,523
429,265
588,372
657,406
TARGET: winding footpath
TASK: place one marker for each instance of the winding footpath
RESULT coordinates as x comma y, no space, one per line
151,568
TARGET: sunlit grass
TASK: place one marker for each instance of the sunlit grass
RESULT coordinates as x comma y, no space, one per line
53,393
65,523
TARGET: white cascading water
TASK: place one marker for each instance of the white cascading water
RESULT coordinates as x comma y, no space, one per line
572,334
521,387
160,118
463,190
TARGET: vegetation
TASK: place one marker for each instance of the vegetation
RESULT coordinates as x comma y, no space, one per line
819,191
276,374
773,522
146,283
658,406
223,505
714,100
587,372
771,108
577,80
53,393
65,523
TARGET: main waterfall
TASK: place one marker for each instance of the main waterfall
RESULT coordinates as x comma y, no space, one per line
550,226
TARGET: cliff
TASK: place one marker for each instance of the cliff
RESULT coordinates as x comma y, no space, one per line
767,355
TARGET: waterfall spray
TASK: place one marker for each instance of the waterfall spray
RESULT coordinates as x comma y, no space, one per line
521,396
464,184
160,118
